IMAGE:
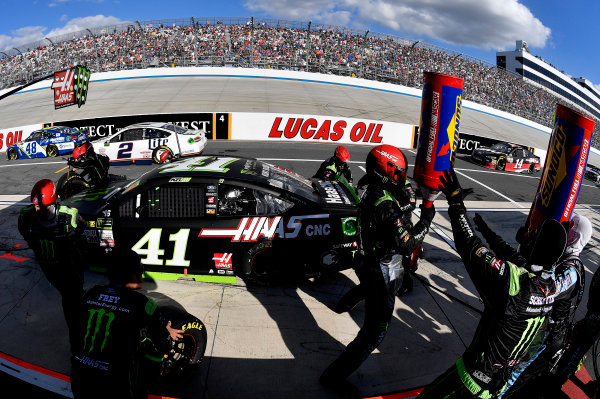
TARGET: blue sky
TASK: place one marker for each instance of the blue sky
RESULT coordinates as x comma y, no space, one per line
563,33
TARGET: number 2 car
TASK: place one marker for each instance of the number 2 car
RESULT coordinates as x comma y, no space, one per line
508,157
215,217
149,142
48,142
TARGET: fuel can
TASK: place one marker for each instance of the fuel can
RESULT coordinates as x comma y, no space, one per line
564,167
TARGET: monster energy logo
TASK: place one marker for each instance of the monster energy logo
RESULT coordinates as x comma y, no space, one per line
533,325
47,249
95,318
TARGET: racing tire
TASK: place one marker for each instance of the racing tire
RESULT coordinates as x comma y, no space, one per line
531,169
162,154
51,151
70,184
186,354
12,154
256,265
501,164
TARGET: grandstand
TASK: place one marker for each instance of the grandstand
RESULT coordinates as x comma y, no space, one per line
277,44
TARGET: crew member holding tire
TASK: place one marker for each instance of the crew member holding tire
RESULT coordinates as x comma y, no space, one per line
336,165
121,338
94,165
385,239
52,231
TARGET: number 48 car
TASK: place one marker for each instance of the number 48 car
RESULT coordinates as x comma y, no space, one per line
151,142
215,217
48,142
506,156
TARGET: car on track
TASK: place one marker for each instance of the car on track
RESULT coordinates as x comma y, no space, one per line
216,217
592,173
508,157
149,142
48,142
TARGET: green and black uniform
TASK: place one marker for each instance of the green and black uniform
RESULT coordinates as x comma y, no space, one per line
385,240
516,304
119,344
54,240
333,167
95,165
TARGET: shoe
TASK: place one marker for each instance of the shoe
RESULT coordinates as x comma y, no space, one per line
407,285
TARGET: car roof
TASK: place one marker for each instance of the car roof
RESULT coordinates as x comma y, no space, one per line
241,169
148,124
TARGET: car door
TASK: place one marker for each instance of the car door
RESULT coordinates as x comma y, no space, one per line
157,137
31,146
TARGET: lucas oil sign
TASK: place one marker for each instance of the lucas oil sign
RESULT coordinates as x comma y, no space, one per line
70,87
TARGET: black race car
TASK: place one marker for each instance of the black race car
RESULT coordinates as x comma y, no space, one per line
592,173
506,156
214,217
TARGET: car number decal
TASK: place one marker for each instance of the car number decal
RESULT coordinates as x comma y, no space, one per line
149,245
125,151
206,164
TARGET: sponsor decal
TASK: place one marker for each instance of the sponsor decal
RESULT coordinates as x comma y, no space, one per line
106,238
481,376
538,300
211,200
180,179
211,188
333,194
328,130
496,263
556,167
481,251
104,223
579,173
223,260
193,324
10,138
210,211
249,229
70,87
318,230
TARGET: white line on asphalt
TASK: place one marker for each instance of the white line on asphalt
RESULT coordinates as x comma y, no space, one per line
363,169
492,190
31,163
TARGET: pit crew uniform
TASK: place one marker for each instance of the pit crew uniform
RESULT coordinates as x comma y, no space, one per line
569,280
94,165
517,300
332,167
55,242
385,240
119,346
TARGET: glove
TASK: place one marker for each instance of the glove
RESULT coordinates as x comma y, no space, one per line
481,224
427,214
520,236
450,186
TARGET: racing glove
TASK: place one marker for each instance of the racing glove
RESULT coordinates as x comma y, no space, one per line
427,214
481,225
450,186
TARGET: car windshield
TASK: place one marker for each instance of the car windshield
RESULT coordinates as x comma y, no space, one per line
500,147
176,129
288,180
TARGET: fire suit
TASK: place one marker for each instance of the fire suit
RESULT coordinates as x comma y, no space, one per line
569,281
516,305
332,167
95,166
385,239
120,343
55,242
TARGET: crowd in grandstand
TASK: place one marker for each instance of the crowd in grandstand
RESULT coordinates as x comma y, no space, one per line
260,45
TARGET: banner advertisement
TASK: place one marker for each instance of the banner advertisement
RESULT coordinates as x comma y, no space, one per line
70,87
13,135
319,129
216,125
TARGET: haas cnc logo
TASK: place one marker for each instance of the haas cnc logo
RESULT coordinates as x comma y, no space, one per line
70,87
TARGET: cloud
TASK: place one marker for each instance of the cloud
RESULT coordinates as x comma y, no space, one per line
482,24
31,34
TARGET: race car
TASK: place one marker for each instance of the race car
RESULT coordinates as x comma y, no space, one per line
48,142
506,156
592,173
149,142
212,218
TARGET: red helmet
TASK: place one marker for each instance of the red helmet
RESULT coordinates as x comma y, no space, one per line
342,153
43,193
82,150
388,163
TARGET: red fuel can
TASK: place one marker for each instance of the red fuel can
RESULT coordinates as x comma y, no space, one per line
564,167
438,130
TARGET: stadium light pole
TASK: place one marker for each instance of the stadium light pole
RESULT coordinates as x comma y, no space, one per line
14,48
364,46
251,41
308,47
49,40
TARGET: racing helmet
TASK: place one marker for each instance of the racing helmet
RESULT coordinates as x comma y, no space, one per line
387,163
83,150
43,192
544,246
342,153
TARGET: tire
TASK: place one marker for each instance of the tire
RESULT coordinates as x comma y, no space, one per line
501,164
186,354
257,265
51,151
70,184
531,169
12,154
162,154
